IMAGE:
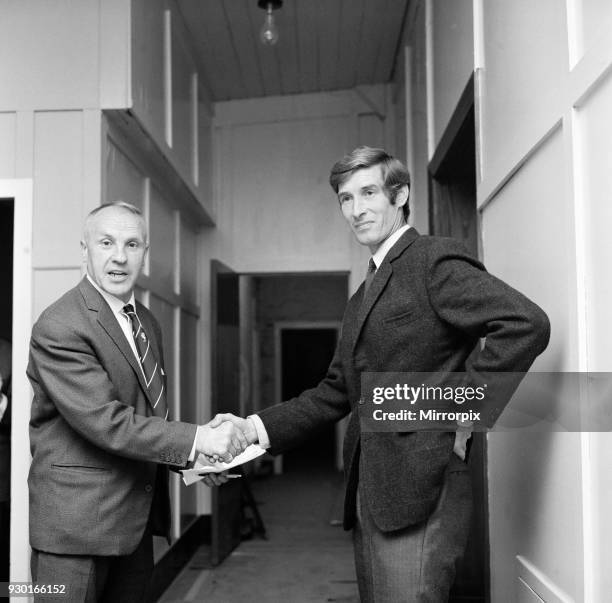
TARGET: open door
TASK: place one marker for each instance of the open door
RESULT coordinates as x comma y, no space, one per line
225,387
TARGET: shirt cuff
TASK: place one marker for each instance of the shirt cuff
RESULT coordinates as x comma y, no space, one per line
461,438
262,434
192,454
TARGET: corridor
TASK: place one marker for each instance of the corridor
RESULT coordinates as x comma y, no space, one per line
305,558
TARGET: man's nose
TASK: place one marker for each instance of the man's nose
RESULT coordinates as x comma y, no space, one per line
358,208
119,255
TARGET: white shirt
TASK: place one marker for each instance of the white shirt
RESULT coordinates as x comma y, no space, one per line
386,245
116,305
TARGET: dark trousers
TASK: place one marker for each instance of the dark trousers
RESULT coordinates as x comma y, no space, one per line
416,564
96,579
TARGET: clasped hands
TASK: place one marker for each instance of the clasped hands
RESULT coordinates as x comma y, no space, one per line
223,438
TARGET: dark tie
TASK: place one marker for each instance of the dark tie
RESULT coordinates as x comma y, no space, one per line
150,367
369,275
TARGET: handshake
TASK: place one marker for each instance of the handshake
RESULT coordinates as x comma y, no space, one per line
225,437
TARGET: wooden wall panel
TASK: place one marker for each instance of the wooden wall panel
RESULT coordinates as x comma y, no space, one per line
58,188
124,181
453,58
50,285
38,71
164,313
593,21
280,203
189,250
148,65
526,59
8,134
204,180
594,125
535,479
183,125
595,131
162,233
419,206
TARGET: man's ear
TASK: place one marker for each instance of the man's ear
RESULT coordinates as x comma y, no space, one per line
84,252
401,198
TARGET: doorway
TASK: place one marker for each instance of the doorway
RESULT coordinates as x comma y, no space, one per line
7,211
304,354
453,213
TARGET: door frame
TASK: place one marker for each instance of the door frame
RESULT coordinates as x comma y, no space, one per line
230,496
21,191
436,170
279,327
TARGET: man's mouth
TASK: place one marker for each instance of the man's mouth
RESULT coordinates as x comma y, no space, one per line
361,225
117,274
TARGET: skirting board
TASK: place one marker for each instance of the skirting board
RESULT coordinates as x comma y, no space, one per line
529,576
178,555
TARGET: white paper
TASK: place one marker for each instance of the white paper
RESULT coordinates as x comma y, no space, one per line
202,465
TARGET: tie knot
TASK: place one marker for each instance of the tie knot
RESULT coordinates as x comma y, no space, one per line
371,266
128,309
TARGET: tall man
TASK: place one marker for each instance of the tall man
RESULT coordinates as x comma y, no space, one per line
424,306
100,436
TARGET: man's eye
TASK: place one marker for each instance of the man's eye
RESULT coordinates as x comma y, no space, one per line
106,243
344,200
133,245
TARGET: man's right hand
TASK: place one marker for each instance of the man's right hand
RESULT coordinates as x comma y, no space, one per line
220,441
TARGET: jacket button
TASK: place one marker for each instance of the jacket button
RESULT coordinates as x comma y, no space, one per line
361,401
148,488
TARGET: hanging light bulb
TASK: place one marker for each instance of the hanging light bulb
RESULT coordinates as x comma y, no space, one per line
268,33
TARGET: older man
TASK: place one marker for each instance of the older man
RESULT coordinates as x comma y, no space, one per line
423,307
100,436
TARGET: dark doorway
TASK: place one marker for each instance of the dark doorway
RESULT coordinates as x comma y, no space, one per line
7,207
453,213
305,357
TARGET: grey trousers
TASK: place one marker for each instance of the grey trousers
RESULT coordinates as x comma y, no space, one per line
416,564
94,579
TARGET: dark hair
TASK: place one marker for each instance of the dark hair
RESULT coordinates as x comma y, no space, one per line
394,173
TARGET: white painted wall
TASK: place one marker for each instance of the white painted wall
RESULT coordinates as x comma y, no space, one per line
274,208
544,198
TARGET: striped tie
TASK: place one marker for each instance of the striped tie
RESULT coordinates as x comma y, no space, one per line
150,367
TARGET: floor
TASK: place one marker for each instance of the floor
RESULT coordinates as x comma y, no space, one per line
307,557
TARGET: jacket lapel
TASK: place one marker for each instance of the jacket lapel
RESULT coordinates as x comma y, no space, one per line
108,322
383,274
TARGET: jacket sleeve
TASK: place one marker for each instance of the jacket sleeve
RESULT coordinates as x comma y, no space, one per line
65,371
515,330
290,423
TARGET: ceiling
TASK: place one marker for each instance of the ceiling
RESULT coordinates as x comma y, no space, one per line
323,45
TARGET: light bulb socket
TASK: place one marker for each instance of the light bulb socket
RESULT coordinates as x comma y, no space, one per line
274,4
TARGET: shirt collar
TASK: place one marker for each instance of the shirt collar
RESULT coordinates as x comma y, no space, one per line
386,245
116,305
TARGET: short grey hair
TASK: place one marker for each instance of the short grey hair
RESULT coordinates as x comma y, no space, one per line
120,205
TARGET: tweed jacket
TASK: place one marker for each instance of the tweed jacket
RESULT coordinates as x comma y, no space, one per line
99,456
428,306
